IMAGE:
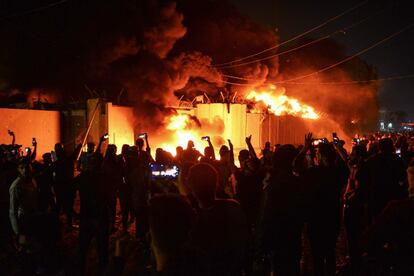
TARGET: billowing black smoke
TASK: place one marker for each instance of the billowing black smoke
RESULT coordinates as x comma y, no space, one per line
155,50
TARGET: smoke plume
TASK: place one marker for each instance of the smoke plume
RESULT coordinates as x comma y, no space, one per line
159,50
336,93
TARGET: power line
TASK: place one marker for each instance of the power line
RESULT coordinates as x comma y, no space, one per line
341,30
51,5
235,83
275,55
353,56
400,77
337,63
357,81
295,37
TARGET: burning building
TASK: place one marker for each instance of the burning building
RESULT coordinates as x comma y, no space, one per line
268,115
220,121
234,122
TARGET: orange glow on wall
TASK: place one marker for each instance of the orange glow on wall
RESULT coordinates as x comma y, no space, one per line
26,124
120,125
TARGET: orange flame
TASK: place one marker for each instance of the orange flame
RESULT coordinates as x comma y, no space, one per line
280,104
182,131
182,128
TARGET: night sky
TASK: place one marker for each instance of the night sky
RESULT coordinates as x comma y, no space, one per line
393,58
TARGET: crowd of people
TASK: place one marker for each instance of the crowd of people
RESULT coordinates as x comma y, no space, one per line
216,218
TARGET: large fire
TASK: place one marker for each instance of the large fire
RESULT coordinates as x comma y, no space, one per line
183,130
183,127
280,104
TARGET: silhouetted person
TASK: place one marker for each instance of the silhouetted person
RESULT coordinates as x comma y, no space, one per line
43,173
125,189
64,176
83,159
171,218
266,160
178,159
112,170
395,226
373,148
163,157
209,154
221,228
8,173
324,182
190,154
249,185
385,178
282,215
354,205
402,146
248,192
275,148
225,167
30,227
23,200
95,205
139,179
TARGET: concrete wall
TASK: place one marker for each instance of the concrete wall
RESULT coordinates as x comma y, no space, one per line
73,125
263,127
254,128
237,124
120,125
117,121
233,117
283,130
28,123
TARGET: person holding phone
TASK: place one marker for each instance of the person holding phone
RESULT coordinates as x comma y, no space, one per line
82,164
339,147
209,154
324,182
139,177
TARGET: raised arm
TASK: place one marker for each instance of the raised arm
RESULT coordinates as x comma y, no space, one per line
341,152
11,133
250,146
231,152
33,155
148,148
213,154
101,140
299,165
